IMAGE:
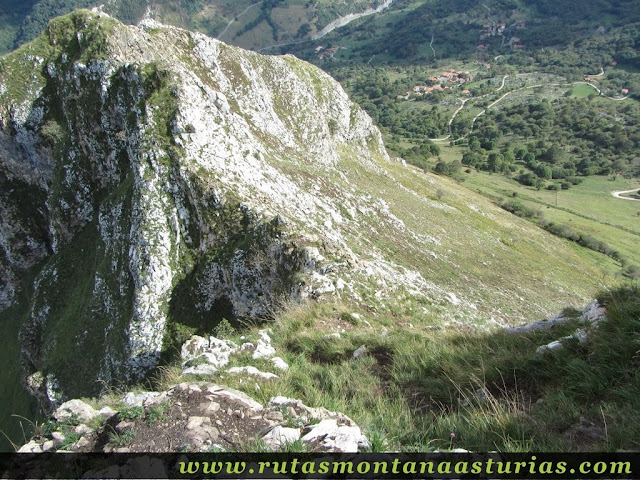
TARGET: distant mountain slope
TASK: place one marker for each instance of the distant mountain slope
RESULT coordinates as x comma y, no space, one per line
414,32
405,32
248,23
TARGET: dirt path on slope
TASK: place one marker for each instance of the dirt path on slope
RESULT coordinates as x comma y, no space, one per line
234,19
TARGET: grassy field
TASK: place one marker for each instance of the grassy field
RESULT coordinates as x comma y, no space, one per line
583,91
588,207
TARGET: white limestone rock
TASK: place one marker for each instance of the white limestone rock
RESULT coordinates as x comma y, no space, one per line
75,409
254,372
335,437
280,364
264,347
280,436
212,352
31,447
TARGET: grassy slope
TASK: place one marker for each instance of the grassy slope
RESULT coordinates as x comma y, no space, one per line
588,207
416,386
507,268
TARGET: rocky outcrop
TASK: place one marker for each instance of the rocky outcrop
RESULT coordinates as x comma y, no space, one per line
201,356
197,417
588,318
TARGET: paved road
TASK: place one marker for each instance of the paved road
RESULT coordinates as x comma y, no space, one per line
619,195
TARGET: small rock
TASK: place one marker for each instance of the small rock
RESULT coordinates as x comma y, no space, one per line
331,335
264,348
58,438
138,399
234,396
247,346
592,313
31,447
201,429
48,446
210,407
280,436
212,351
550,346
253,371
336,438
276,416
107,412
202,369
482,395
280,364
82,429
124,426
81,443
197,422
360,352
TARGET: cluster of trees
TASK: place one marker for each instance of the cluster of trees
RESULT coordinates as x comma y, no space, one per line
544,141
373,90
418,155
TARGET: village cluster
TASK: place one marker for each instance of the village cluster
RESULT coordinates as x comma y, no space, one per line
441,82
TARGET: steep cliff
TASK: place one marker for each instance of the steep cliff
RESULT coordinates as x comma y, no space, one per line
155,181
137,164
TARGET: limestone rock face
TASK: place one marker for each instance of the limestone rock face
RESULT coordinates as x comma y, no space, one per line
154,175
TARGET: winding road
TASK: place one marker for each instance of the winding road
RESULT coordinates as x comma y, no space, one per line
621,192
473,121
